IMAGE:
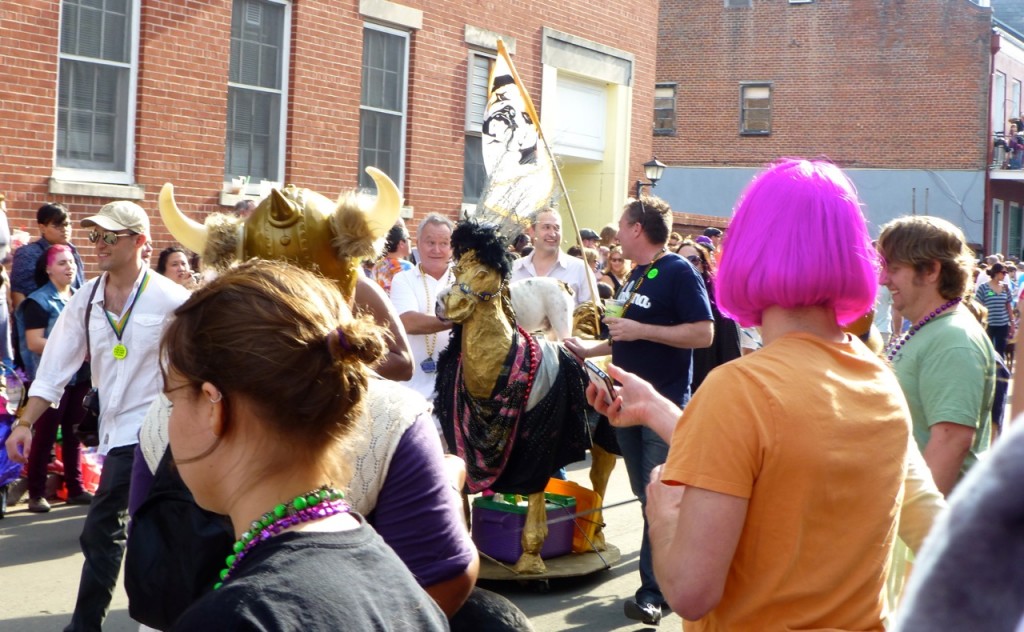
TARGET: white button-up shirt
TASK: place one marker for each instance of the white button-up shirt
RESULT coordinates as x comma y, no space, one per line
128,386
569,269
409,293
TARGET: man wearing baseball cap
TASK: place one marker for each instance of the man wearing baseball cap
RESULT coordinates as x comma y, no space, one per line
715,235
116,320
589,237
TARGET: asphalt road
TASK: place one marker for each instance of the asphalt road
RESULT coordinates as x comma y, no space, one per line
40,562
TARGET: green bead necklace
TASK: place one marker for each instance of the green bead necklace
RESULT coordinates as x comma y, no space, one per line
313,505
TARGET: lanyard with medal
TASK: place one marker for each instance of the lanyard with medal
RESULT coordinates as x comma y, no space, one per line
120,352
429,365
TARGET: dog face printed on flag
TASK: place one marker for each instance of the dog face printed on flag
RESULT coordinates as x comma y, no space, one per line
520,176
508,131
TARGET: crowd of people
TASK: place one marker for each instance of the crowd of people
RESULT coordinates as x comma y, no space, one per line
784,483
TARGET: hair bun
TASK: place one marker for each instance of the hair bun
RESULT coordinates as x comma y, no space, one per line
338,343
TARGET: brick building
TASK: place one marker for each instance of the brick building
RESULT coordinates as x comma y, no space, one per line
894,92
1005,226
109,100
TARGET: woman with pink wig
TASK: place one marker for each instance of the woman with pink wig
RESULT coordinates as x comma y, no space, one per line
777,506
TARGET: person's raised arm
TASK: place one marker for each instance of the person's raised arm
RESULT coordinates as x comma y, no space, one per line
696,335
371,299
636,403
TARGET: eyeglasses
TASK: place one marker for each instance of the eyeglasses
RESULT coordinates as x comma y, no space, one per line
694,259
616,260
109,237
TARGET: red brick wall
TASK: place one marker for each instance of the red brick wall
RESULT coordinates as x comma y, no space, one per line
28,76
867,83
182,95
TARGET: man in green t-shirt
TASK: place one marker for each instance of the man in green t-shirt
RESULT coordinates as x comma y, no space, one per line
945,363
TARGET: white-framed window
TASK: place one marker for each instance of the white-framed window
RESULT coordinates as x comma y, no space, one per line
97,77
665,109
999,103
474,175
756,108
257,80
382,106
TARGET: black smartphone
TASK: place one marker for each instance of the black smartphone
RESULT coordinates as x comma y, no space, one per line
601,380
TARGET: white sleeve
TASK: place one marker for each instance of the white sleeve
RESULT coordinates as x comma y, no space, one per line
403,293
65,349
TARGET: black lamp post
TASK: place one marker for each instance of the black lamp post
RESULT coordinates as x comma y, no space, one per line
653,169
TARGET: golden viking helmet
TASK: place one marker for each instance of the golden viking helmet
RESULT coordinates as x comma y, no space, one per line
296,225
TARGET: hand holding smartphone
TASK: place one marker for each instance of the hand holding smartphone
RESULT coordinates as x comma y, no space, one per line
601,380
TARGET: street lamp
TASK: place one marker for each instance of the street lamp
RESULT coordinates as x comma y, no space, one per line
653,169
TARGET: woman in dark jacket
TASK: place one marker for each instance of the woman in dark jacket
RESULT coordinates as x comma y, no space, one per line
726,345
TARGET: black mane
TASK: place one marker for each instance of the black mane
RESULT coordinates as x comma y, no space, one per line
490,245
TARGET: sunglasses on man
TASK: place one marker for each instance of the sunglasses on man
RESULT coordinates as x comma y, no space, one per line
109,237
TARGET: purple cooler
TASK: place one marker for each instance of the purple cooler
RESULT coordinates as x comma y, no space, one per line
498,526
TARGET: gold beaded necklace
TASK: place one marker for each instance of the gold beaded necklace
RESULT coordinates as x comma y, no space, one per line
429,365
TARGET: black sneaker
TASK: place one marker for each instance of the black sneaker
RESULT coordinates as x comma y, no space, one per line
648,613
85,498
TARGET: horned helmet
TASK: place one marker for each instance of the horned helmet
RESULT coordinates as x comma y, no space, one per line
296,225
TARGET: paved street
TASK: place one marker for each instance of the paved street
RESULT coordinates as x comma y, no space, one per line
40,563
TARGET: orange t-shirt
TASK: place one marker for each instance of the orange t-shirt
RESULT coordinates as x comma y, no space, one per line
814,434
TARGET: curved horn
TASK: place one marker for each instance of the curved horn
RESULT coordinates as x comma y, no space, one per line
385,212
188,232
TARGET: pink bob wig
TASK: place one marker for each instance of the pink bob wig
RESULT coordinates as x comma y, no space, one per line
53,251
797,239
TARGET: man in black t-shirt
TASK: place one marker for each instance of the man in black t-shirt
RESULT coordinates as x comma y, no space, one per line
666,315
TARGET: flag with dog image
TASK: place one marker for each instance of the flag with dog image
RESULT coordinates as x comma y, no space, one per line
520,175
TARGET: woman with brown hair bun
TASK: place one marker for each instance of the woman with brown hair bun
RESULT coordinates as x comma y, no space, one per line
261,407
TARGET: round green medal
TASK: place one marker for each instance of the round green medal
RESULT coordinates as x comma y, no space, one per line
120,351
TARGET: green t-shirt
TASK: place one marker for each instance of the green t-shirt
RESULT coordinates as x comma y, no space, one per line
948,373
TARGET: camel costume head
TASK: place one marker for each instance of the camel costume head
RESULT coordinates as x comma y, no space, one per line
483,266
296,225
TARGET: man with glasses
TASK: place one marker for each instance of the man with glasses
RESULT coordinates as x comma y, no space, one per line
119,317
667,314
54,228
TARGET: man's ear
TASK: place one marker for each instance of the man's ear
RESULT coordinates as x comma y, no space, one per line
932,271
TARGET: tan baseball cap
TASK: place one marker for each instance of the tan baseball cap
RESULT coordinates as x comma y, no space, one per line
120,215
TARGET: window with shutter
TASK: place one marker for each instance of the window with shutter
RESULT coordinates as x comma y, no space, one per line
474,175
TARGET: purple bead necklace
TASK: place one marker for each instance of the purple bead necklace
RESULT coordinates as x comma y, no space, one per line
314,505
896,345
